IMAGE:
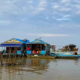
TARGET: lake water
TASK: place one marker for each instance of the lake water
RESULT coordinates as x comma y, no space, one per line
42,69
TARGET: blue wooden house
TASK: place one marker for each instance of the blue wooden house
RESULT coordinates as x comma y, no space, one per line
37,47
15,45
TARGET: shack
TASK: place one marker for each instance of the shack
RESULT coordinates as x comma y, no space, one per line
72,47
37,47
14,45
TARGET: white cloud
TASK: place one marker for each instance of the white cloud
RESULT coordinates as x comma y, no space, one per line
48,35
9,7
70,25
23,19
65,1
67,4
4,22
66,15
77,6
65,9
21,7
63,19
54,35
54,12
56,6
41,6
78,12
29,1
47,18
77,1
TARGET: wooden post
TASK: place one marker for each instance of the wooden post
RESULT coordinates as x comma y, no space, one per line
9,60
1,57
15,54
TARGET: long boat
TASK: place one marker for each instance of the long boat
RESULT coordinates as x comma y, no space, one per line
44,57
62,56
67,56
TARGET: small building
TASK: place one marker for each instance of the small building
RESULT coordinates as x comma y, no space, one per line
37,47
70,47
14,45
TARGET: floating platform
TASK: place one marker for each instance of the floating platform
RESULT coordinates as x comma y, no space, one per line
44,57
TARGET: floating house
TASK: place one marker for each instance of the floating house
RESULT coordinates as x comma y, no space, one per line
70,47
15,45
37,47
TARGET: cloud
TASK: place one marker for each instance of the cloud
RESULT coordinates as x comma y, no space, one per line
56,6
41,6
21,7
48,35
23,19
65,9
47,18
16,7
77,6
62,19
78,12
29,1
65,17
77,1
54,35
4,22
65,1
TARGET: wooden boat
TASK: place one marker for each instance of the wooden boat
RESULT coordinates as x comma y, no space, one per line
67,56
79,55
44,57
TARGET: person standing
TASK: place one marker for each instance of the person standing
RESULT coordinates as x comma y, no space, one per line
75,53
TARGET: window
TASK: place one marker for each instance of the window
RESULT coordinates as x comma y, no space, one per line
43,47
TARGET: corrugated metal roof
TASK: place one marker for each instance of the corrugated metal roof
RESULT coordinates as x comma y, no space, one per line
37,41
15,41
10,45
20,40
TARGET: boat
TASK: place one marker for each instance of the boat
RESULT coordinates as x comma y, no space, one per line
63,56
39,56
68,56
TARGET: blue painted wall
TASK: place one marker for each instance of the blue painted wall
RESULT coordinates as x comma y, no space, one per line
28,52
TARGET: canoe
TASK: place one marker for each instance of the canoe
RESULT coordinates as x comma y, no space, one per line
67,56
44,57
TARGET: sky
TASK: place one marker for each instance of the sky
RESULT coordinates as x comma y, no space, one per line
56,21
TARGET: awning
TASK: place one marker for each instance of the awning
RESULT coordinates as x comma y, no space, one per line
38,41
10,45
35,43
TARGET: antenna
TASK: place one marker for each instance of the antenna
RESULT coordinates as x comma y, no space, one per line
39,38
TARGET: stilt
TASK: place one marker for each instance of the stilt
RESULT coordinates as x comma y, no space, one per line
9,59
1,57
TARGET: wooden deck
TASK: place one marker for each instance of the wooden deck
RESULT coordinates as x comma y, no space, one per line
44,57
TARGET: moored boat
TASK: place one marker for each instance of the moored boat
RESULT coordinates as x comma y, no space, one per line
63,56
38,56
68,56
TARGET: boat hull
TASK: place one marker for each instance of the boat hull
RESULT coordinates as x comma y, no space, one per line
44,57
68,56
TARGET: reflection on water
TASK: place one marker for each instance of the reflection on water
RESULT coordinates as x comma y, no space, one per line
42,69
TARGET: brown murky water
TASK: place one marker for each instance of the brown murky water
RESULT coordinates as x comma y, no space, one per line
42,69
